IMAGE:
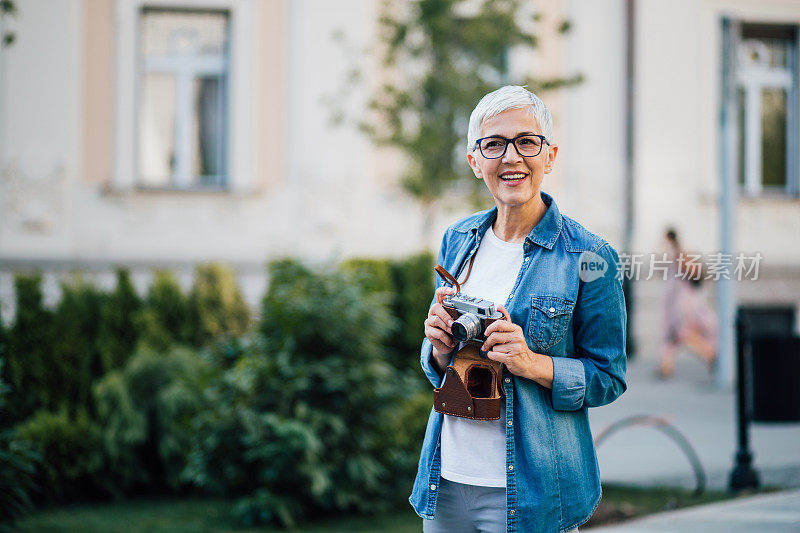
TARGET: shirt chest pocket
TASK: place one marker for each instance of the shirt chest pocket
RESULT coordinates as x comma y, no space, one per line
550,318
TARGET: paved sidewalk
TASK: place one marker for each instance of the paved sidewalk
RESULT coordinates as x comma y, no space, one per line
706,417
766,513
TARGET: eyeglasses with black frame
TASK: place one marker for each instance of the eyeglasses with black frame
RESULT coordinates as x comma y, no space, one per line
527,145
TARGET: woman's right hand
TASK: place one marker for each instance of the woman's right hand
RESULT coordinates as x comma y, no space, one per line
437,325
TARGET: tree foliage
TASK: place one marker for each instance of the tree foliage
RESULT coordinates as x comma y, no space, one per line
8,8
164,319
450,53
118,332
70,451
216,305
17,468
77,360
317,408
307,418
30,359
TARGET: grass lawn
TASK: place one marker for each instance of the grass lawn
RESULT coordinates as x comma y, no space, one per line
196,516
622,503
192,516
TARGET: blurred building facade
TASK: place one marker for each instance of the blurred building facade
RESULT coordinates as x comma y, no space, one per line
171,132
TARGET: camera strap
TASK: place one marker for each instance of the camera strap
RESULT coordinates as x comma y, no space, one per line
449,278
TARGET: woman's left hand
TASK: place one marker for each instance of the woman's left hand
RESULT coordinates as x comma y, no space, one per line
505,342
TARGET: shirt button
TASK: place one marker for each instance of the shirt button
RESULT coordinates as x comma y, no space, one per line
507,380
512,512
552,309
510,295
511,467
526,259
433,487
510,423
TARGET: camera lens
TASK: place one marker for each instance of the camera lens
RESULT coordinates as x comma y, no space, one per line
466,327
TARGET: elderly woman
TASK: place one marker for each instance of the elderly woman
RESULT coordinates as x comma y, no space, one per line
561,343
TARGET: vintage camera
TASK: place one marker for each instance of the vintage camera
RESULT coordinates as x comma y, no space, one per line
471,316
471,387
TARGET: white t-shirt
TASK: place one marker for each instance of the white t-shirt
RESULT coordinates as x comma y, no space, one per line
474,451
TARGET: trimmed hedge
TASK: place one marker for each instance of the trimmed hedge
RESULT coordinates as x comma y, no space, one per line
317,408
30,353
216,305
118,332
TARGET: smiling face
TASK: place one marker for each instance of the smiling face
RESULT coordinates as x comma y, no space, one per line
513,180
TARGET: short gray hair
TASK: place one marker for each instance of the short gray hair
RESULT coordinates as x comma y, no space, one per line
503,99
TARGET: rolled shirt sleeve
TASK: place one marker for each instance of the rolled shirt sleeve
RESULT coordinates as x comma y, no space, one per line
595,375
427,365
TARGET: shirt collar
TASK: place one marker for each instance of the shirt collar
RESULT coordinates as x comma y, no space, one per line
547,230
545,233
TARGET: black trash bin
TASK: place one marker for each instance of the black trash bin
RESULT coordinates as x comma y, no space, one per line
768,381
775,374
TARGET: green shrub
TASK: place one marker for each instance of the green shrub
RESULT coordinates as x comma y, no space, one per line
179,402
164,320
118,324
3,343
77,361
17,467
123,431
413,282
302,422
216,305
71,452
374,275
407,285
144,410
30,353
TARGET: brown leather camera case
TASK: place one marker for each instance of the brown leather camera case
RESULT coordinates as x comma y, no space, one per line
471,387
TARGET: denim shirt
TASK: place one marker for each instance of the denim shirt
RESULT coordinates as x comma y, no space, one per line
552,476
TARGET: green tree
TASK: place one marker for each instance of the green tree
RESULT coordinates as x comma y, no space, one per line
165,317
76,326
216,305
118,323
30,354
451,53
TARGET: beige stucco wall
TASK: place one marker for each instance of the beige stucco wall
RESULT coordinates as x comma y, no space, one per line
677,182
98,91
677,124
269,68
342,198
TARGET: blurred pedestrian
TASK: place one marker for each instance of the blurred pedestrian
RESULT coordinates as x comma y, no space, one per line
688,319
561,342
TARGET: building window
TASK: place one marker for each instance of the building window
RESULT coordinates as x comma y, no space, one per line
766,66
183,98
183,95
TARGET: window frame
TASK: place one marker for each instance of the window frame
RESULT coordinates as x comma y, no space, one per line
238,145
753,81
